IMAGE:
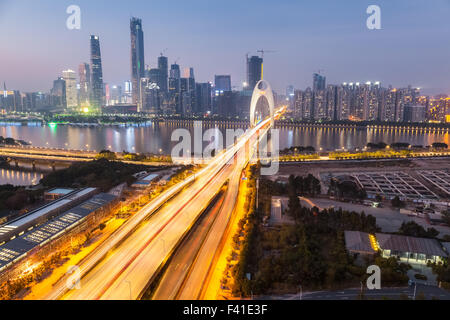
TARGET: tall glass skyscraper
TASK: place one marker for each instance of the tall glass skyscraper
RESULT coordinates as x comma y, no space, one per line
175,88
137,57
71,88
163,66
96,73
84,73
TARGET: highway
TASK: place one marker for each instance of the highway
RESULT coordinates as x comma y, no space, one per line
197,280
180,264
121,268
192,280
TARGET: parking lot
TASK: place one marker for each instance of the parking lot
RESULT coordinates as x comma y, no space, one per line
438,178
392,184
388,219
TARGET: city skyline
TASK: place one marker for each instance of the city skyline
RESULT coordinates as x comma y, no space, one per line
292,59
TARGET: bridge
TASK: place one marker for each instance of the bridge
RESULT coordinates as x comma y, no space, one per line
122,267
53,156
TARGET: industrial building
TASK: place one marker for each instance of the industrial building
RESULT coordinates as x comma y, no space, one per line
406,249
20,247
25,223
359,243
146,181
410,249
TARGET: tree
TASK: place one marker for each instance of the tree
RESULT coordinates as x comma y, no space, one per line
412,229
397,203
439,145
106,154
400,145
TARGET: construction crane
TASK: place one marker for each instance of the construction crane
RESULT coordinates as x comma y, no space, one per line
263,52
164,51
320,71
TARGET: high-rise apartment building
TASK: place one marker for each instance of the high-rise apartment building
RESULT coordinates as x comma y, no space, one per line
439,109
319,111
319,82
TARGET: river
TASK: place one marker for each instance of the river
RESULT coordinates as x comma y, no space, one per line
156,139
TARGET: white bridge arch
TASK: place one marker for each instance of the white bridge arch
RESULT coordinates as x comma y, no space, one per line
262,89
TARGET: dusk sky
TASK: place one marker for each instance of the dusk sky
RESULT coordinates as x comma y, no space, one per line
213,36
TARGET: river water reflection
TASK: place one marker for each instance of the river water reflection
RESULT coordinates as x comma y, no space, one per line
156,138
19,178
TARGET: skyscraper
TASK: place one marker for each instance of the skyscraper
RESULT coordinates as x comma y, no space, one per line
203,98
163,66
84,72
319,82
174,88
150,102
254,71
58,93
137,56
71,88
96,73
223,83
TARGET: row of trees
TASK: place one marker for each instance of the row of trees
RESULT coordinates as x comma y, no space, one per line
102,173
296,150
241,285
112,156
404,145
11,142
413,229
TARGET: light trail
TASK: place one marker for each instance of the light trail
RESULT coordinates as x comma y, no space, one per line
103,274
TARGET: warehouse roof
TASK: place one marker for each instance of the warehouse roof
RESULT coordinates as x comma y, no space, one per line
358,242
54,228
430,247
